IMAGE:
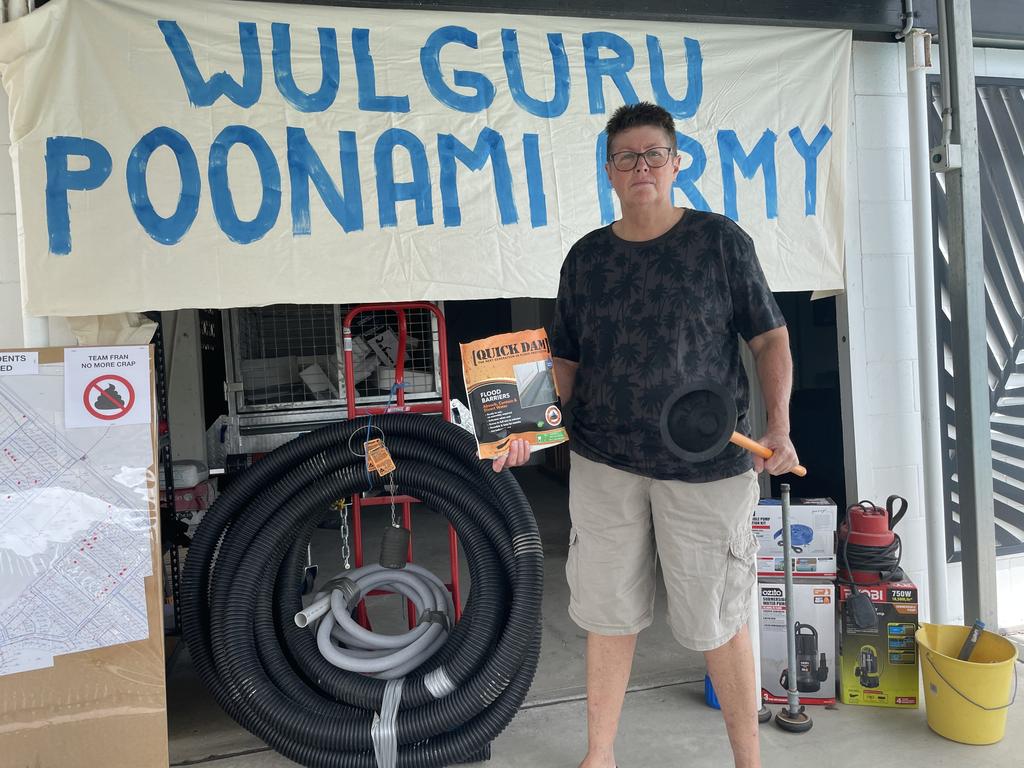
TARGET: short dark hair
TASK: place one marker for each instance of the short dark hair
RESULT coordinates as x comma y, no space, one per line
643,113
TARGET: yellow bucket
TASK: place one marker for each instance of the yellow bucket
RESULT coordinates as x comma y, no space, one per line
966,701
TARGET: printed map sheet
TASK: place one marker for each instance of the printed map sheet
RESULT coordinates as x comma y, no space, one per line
74,527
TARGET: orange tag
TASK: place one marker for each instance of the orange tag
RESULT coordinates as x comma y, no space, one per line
380,457
370,446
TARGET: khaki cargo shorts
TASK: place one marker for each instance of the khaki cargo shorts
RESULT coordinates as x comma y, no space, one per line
623,523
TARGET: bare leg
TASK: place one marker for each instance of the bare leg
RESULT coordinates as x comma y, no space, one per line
609,660
731,667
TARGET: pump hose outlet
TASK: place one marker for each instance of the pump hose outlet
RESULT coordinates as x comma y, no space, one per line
241,591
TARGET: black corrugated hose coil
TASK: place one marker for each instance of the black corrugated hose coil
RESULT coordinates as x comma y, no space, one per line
241,588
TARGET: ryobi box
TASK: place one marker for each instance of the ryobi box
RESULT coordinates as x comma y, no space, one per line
813,532
878,665
814,604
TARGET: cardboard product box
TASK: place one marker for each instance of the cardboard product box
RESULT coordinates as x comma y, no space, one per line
82,672
813,530
878,667
813,567
814,604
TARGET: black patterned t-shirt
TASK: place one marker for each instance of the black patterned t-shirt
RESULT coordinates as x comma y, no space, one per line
642,319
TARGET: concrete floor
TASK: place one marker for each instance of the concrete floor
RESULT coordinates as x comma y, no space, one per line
665,720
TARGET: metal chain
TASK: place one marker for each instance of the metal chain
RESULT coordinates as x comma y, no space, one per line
392,487
392,484
346,551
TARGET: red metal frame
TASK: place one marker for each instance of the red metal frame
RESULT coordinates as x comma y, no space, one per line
442,407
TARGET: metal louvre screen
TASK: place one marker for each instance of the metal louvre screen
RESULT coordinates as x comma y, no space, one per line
1001,141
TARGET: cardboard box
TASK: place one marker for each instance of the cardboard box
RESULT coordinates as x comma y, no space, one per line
819,567
364,363
814,613
878,668
103,706
813,529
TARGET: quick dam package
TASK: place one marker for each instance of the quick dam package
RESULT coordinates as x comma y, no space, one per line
510,385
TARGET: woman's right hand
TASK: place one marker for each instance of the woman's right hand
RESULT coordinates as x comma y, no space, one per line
518,454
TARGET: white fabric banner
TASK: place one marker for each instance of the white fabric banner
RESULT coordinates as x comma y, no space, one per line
219,154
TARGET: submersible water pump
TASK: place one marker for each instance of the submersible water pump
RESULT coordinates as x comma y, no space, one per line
811,667
867,670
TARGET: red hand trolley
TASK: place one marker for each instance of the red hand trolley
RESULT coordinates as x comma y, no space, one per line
441,407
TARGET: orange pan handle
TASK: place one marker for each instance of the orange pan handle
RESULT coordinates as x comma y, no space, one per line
765,453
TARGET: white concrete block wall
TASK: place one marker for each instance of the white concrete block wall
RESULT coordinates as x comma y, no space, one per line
881,323
878,332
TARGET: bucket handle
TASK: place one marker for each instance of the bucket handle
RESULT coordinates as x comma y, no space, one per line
967,698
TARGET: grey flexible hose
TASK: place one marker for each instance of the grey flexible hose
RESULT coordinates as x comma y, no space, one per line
345,644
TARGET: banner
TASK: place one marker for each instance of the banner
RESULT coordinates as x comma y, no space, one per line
218,154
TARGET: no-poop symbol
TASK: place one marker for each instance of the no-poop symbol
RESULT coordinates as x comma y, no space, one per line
109,397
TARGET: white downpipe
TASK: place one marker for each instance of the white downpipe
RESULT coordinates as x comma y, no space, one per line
35,331
927,352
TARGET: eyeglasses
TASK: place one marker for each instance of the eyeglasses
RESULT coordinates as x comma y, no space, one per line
655,157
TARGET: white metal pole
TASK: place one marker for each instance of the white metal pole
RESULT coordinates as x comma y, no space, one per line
792,695
927,354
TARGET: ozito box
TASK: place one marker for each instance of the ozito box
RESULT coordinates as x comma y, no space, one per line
813,531
878,666
814,609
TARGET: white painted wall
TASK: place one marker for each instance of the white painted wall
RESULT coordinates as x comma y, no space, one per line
878,349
